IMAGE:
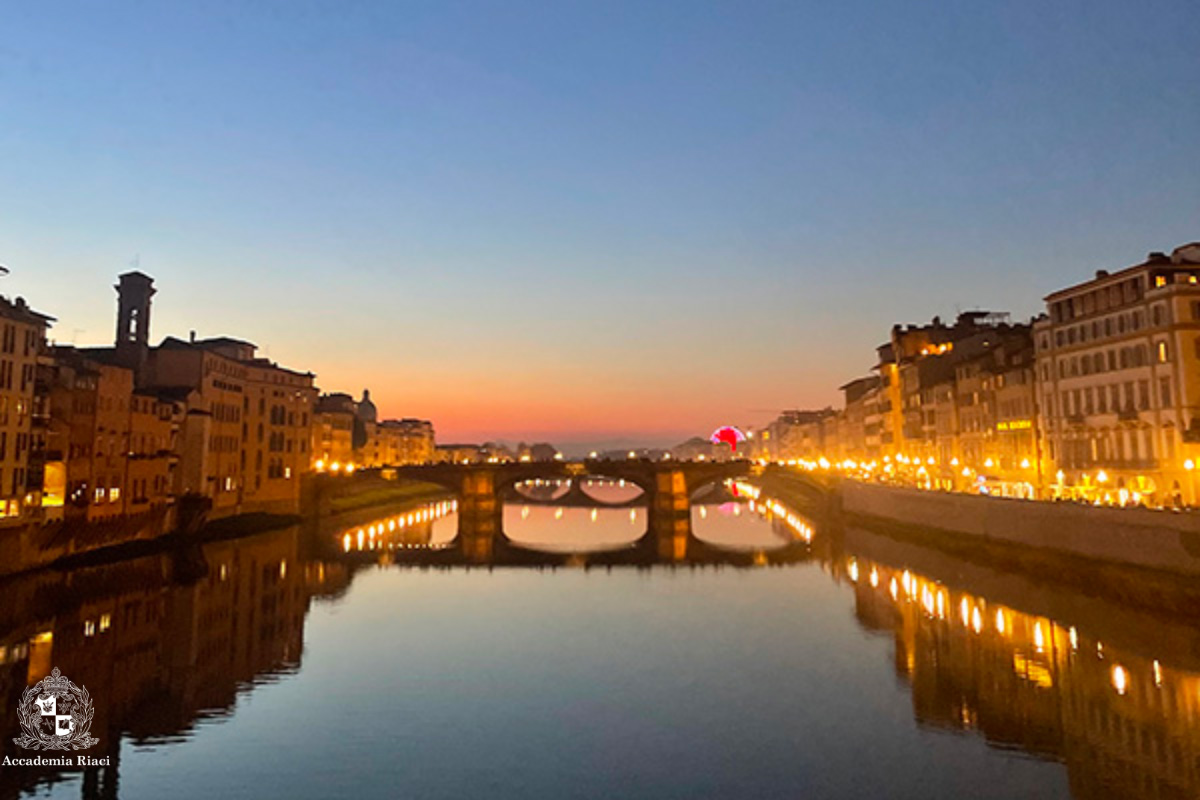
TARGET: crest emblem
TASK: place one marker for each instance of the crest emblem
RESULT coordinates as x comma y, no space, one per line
55,715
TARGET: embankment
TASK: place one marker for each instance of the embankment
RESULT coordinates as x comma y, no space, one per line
1143,558
1159,540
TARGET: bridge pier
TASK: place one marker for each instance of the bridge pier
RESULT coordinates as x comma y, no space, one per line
479,515
671,515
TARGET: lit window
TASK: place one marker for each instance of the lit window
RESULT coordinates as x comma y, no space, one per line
1160,280
1162,352
105,622
114,494
89,628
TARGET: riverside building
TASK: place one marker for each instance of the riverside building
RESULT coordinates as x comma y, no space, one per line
22,336
1118,367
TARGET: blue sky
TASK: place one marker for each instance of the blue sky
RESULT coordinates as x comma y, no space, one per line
587,221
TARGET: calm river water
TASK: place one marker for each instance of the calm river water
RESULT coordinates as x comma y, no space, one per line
756,658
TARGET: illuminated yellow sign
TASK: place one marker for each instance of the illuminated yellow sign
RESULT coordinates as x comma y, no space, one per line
1014,425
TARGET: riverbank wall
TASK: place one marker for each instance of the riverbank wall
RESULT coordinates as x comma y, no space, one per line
1162,541
36,544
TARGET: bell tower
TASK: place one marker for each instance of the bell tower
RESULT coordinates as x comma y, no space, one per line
134,290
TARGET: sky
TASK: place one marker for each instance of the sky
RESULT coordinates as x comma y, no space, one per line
593,223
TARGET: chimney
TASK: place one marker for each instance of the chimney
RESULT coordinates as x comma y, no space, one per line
192,337
134,291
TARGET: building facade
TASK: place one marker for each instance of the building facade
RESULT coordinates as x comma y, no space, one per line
22,338
1118,361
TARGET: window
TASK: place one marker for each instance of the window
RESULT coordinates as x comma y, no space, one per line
1162,352
1164,392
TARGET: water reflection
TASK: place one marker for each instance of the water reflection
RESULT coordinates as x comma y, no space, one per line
169,643
573,530
425,527
552,535
1125,720
161,642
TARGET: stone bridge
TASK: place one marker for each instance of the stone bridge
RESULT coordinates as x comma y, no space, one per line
668,490
667,486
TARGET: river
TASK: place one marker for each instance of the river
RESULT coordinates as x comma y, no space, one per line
758,657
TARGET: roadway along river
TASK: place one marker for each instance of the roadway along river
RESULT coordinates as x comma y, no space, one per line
757,658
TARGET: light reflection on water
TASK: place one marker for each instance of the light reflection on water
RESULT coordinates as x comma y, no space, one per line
631,683
559,529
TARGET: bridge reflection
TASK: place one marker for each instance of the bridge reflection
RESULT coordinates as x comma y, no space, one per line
409,539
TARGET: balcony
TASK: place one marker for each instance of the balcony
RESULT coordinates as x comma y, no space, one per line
1127,414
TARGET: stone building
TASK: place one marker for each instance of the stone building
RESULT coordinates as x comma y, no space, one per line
241,425
105,449
333,430
22,337
1118,366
